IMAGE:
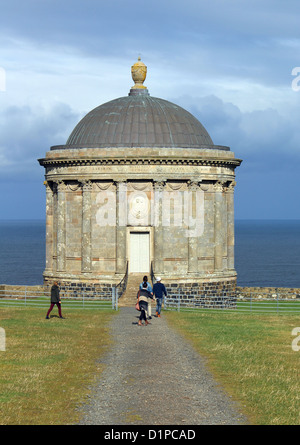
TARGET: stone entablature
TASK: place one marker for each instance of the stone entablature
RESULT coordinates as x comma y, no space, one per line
205,165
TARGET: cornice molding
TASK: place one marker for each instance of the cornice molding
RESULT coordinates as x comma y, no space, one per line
140,161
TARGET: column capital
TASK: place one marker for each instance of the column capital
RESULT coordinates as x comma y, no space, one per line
119,182
219,186
60,185
230,187
86,185
193,185
159,185
48,186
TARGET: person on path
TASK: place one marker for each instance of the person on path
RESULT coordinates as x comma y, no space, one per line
149,289
143,297
55,300
159,290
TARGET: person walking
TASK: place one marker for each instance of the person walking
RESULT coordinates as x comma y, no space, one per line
55,300
159,290
143,297
149,289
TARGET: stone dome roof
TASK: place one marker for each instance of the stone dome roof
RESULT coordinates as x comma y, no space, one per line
139,120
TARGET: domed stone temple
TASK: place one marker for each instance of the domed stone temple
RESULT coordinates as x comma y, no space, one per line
140,188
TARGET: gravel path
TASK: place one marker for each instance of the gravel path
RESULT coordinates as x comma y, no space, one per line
154,377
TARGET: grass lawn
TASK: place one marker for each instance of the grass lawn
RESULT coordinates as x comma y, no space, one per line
251,356
48,364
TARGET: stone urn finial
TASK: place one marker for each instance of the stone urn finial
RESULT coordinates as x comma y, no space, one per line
138,73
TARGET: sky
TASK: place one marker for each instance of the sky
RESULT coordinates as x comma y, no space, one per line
234,64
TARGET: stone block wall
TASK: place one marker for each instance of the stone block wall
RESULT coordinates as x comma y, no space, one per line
88,290
208,294
267,292
19,290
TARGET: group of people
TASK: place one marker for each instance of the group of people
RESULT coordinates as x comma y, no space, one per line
146,294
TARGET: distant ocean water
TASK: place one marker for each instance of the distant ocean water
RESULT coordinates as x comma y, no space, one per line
267,253
22,251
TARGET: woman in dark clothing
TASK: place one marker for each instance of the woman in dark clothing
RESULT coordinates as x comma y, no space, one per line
143,296
55,299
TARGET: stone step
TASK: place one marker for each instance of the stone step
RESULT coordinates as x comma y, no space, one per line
128,299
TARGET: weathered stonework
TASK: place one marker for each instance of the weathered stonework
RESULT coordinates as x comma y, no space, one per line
103,188
208,294
90,290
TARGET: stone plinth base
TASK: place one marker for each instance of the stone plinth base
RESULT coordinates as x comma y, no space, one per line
197,291
69,289
205,293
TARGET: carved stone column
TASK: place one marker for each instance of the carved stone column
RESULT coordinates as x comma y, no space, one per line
49,226
121,224
192,239
158,228
218,187
230,225
61,226
86,227
54,233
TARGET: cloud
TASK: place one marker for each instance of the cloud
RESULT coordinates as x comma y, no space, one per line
229,63
27,133
268,142
256,133
222,38
259,136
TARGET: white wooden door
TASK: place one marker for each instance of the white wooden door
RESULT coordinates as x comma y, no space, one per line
139,259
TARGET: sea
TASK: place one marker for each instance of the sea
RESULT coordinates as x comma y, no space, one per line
267,252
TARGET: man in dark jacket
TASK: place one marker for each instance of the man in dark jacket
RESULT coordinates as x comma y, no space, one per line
55,299
158,291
